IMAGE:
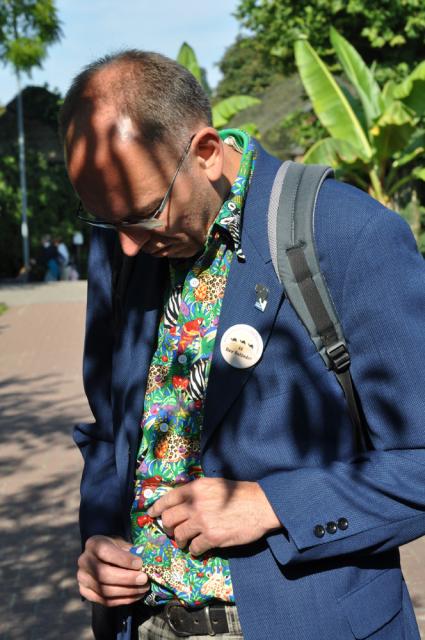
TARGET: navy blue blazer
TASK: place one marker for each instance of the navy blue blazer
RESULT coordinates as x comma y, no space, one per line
284,421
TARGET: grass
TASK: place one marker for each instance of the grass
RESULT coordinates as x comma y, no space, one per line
3,308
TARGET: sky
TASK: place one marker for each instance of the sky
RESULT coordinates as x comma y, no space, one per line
92,28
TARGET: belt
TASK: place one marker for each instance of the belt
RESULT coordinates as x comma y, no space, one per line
203,621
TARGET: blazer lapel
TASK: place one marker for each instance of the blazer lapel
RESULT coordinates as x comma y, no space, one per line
142,309
226,382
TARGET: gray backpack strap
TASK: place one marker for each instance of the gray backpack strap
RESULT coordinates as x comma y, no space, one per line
291,236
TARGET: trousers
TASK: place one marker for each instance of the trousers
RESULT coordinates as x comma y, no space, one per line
155,628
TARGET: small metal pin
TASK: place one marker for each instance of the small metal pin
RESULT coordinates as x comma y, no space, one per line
262,294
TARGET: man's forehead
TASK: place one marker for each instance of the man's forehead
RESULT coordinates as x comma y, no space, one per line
97,137
108,164
94,121
126,129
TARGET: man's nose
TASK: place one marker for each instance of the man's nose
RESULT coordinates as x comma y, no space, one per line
132,240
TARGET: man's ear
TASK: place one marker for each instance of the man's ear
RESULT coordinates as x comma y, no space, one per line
208,152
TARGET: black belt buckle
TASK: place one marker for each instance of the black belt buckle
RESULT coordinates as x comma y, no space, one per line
204,613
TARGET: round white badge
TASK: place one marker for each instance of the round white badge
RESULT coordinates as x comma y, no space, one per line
241,346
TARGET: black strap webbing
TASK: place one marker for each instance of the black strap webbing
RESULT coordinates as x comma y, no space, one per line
303,276
327,332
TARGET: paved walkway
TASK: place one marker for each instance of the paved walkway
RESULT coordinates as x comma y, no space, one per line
41,397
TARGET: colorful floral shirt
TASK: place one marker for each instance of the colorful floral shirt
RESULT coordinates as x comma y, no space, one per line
169,452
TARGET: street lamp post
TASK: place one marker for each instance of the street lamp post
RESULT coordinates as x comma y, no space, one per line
23,181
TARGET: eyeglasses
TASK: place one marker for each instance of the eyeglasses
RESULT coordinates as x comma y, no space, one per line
148,222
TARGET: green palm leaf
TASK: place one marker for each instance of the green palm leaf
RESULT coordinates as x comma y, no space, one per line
419,172
394,129
224,110
187,58
331,151
412,90
329,102
359,75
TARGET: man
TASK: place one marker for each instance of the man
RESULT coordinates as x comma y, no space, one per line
223,500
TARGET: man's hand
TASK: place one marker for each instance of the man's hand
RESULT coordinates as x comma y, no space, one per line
109,574
212,512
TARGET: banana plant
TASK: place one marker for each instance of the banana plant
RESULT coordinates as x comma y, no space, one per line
374,138
223,111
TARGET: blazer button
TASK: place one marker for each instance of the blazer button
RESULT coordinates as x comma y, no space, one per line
319,531
331,527
343,524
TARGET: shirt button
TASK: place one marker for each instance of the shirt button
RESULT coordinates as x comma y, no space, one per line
163,427
331,527
182,359
343,524
319,531
194,282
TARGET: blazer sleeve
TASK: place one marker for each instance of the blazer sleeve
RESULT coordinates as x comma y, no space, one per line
101,503
380,493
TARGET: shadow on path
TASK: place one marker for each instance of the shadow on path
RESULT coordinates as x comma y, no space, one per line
39,409
39,537
40,544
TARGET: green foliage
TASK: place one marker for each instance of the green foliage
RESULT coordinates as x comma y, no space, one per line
27,28
224,110
187,58
245,72
304,127
51,201
389,32
51,206
375,136
3,308
281,116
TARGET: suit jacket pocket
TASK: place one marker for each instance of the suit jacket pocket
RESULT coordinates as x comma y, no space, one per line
372,605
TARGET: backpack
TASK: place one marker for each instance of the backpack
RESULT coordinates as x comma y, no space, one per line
292,247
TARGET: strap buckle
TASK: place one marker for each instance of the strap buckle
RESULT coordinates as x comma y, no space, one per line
339,357
203,613
178,632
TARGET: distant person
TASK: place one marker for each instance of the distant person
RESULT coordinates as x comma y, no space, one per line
63,254
50,259
73,273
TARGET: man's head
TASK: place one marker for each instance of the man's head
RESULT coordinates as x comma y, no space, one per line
126,122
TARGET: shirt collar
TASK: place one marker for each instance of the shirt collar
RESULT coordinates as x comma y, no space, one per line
229,218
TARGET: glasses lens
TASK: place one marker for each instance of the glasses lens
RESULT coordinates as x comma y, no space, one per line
143,224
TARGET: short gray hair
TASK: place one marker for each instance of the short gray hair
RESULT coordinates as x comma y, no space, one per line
161,97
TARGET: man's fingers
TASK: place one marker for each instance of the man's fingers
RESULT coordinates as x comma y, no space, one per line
184,533
200,545
109,574
110,591
113,551
174,516
171,499
92,596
